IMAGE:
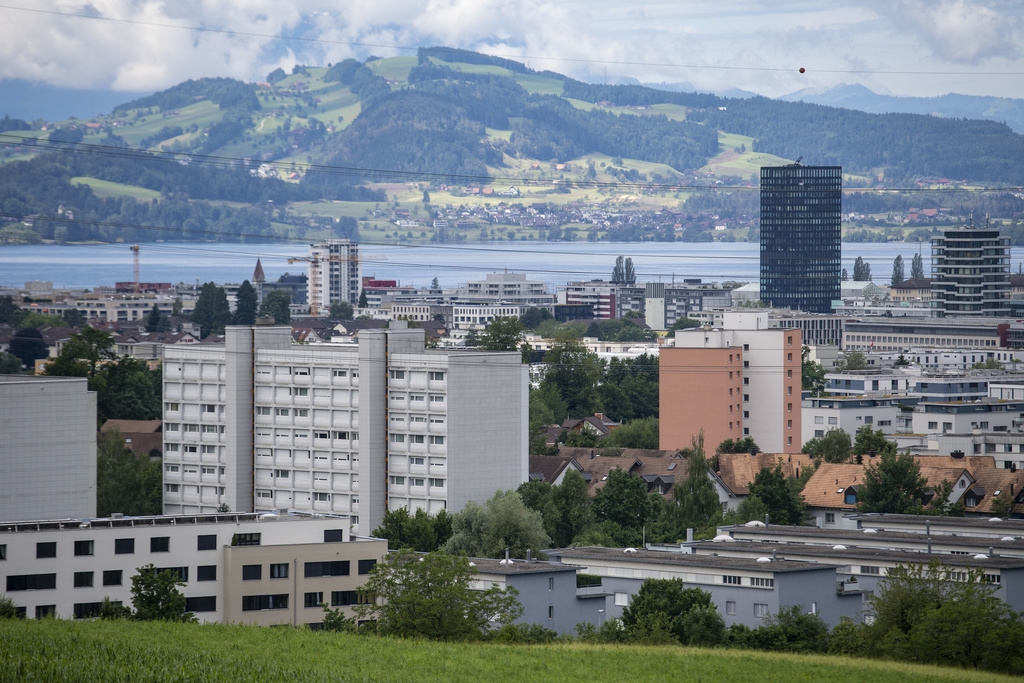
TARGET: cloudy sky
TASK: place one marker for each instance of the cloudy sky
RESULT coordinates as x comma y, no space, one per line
901,47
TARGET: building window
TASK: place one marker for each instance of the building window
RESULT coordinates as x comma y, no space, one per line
870,570
731,580
112,577
253,603
344,598
830,518
435,376
252,572
31,582
83,547
46,549
209,408
206,542
551,583
437,483
437,440
204,603
86,610
179,572
83,579
313,599
762,583
551,612
437,398
124,546
312,570
397,438
760,610
398,374
730,607
415,438
46,611
160,544
279,570
206,572
263,410
322,497
366,565
622,599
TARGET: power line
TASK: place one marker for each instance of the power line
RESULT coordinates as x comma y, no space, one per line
379,174
575,60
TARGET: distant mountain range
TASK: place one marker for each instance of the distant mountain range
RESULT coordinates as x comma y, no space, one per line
855,96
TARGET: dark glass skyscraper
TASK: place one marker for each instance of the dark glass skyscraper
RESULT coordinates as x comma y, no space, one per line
801,239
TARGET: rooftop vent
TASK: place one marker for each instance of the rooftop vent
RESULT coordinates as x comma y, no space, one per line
839,547
629,551
764,560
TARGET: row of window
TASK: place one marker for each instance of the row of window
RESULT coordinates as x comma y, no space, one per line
189,428
754,581
416,438
110,577
418,398
418,481
122,546
432,375
254,572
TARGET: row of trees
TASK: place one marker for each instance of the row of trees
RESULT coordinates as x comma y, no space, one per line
213,312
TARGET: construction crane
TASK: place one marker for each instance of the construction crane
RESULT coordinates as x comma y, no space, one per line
135,258
314,273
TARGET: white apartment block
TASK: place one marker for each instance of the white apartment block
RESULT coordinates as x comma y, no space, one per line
334,273
849,413
507,287
479,316
261,424
47,447
248,568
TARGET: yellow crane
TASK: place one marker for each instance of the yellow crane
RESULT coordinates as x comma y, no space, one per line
314,273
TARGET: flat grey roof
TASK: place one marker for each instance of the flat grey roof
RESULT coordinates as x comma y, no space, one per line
825,553
873,519
688,560
159,520
830,536
490,566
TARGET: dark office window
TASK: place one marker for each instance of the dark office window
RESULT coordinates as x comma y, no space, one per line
124,546
313,599
83,579
205,603
112,577
279,571
344,598
179,572
31,582
87,610
366,565
336,568
48,549
83,547
207,542
252,572
245,539
206,572
251,603
333,535
160,544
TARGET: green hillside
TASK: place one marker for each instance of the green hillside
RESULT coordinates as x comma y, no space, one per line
58,650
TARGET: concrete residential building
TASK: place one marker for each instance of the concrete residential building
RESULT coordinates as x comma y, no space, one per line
744,380
849,413
801,249
510,287
744,591
334,272
971,273
894,334
962,417
47,447
255,569
260,424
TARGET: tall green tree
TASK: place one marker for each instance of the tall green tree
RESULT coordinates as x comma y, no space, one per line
897,271
246,303
28,346
867,440
916,267
894,484
641,433
861,270
695,499
784,506
125,482
156,596
156,321
503,334
9,364
568,510
429,596
532,317
420,532
575,372
668,603
212,311
502,522
341,310
362,299
835,446
852,360
624,502
276,305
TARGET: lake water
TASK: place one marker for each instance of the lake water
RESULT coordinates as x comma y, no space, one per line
553,262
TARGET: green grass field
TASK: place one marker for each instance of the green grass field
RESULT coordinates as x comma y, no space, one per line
56,650
106,188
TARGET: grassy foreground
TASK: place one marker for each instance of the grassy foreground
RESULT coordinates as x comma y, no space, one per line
54,650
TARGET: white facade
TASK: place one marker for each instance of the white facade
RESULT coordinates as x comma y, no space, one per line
507,287
479,316
260,424
65,568
959,418
47,447
821,415
334,273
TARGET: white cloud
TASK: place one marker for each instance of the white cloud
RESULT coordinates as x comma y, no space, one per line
581,38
